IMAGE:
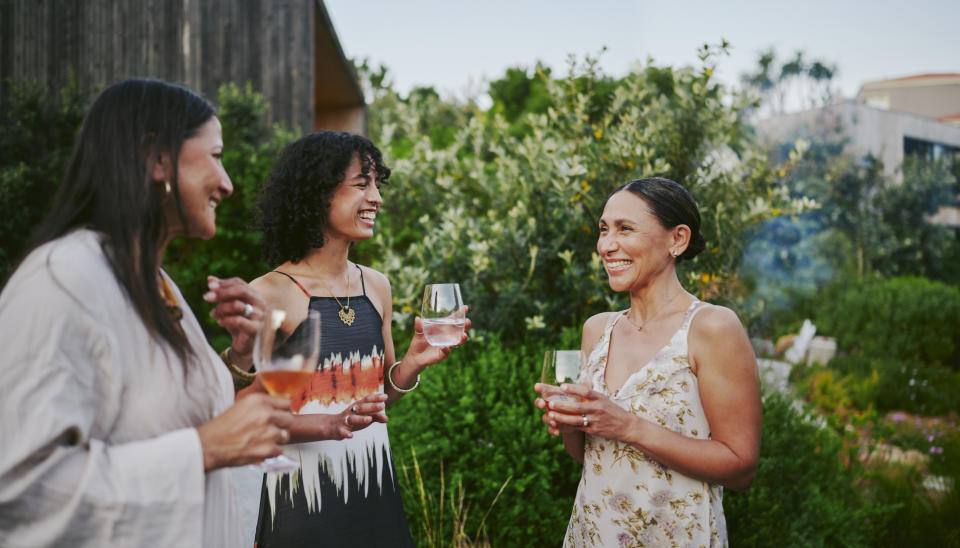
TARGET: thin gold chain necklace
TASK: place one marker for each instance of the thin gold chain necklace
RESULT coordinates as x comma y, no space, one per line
655,316
347,314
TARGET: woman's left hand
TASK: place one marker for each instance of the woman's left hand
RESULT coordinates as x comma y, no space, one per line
423,353
591,412
239,310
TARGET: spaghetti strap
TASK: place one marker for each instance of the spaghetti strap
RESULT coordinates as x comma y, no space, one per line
362,285
305,292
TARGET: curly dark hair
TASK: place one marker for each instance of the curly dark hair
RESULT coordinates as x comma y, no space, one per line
293,207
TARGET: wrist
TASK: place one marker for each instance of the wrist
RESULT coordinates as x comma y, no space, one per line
242,361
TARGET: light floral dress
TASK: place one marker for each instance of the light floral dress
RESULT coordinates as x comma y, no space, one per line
624,497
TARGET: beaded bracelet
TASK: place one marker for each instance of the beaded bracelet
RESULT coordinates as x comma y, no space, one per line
397,388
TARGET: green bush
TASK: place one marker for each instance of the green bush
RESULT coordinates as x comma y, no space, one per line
37,130
903,318
912,386
803,494
474,413
512,216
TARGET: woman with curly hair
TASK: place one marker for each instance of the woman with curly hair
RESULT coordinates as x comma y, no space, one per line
322,195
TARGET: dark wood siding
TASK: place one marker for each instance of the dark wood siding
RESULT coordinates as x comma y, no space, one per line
200,43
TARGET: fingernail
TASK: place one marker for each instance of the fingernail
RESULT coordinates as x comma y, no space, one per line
209,296
213,283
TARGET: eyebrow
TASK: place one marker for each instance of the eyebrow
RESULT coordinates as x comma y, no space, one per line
619,221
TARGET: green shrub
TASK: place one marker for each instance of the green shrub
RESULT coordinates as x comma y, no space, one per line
914,387
474,413
803,494
902,318
37,130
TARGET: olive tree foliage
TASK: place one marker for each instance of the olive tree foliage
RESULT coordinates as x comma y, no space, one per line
512,215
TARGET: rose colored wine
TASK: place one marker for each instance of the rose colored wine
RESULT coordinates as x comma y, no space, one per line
443,331
285,382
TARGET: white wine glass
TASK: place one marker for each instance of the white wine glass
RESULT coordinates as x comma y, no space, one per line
286,364
442,315
560,367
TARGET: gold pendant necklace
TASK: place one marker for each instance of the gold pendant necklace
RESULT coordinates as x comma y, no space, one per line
347,314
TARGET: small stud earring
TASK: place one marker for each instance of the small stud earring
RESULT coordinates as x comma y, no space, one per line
166,187
675,254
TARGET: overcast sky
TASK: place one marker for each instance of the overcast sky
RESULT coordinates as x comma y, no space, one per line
457,45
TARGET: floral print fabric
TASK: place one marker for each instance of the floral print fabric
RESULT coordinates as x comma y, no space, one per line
624,497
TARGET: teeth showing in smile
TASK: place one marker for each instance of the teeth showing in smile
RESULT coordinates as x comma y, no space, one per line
212,203
616,265
368,215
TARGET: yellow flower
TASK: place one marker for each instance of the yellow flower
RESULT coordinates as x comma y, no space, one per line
708,72
598,134
714,250
406,308
704,277
781,172
585,185
776,211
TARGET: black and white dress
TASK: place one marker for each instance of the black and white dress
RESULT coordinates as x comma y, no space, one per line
345,492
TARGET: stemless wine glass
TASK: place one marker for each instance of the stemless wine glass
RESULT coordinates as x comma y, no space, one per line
559,367
286,364
442,315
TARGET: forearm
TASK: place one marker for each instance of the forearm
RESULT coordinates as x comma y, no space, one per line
314,427
705,459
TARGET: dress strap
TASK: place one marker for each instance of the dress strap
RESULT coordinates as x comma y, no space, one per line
307,293
691,312
362,286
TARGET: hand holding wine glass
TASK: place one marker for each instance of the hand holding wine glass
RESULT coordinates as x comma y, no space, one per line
286,364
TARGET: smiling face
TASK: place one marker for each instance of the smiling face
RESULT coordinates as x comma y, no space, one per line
634,246
203,184
354,205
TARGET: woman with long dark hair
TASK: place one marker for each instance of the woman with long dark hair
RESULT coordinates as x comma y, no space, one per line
666,412
117,417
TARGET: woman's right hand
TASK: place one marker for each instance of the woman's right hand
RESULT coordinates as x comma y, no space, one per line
254,428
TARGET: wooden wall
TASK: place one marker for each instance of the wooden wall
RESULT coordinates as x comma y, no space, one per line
200,43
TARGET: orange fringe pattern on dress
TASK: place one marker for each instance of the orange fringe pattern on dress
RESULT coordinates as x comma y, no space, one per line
341,383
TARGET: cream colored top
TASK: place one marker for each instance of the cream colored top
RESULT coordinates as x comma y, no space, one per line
97,423
624,497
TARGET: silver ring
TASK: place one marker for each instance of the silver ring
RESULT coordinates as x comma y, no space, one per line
353,409
247,310
284,435
346,420
586,421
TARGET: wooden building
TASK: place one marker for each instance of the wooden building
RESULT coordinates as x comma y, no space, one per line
287,49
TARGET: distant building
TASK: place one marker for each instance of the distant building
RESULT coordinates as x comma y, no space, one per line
934,96
890,119
287,49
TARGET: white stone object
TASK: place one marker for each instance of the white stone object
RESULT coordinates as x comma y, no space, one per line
801,343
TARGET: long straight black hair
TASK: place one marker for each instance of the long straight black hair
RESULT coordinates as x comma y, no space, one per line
108,187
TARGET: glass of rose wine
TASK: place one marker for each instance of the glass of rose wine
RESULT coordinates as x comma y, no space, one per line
442,314
286,364
559,367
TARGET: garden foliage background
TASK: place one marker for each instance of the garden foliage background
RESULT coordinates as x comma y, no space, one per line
505,201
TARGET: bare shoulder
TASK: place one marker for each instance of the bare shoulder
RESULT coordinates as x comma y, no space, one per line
277,290
715,321
593,327
375,280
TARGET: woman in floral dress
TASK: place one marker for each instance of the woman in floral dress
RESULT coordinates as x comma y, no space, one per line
667,411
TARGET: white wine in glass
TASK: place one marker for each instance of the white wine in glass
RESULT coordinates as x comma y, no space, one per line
442,315
559,367
286,364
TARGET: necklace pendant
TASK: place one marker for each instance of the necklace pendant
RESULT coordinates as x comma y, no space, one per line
347,315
